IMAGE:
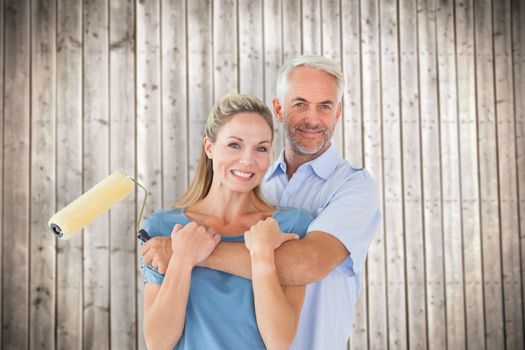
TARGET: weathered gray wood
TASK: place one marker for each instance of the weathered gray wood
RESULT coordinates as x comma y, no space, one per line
16,175
451,177
372,146
351,65
2,61
311,27
518,59
43,196
174,105
488,176
273,57
353,137
412,182
431,172
200,88
69,170
95,162
331,48
507,177
470,201
123,302
149,119
225,65
393,207
291,29
251,55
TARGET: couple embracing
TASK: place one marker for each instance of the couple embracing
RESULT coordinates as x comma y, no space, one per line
260,256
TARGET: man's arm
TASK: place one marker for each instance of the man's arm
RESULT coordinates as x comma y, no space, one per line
298,262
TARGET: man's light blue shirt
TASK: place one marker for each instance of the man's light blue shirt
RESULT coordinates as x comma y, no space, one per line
344,201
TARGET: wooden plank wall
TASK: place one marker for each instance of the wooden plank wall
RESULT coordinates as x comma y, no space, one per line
433,107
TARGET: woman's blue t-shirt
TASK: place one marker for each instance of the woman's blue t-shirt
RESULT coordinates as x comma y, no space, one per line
220,313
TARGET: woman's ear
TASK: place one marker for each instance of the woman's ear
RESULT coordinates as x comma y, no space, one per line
208,147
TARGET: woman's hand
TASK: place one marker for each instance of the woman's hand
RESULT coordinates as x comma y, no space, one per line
193,243
266,235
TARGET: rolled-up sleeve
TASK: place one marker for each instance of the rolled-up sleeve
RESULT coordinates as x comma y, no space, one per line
351,215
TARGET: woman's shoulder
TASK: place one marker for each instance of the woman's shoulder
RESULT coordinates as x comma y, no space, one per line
161,222
294,220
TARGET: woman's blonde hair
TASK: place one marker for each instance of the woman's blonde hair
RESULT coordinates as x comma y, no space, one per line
223,111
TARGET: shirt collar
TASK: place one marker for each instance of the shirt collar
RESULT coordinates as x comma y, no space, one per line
323,166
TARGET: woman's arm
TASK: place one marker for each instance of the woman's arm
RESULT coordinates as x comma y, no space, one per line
277,309
165,304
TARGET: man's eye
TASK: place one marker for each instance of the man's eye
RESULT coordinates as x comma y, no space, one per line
326,107
300,105
234,145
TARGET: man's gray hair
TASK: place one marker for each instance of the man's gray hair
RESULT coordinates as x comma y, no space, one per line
315,61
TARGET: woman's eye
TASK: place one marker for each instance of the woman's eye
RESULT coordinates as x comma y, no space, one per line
234,145
262,149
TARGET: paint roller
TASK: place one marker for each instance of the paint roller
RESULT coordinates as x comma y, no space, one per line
96,201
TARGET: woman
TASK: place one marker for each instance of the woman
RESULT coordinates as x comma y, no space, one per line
198,308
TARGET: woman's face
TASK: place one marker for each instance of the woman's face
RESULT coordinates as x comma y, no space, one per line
241,153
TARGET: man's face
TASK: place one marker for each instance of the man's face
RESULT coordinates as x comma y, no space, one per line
310,111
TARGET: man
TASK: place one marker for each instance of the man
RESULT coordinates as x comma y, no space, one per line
310,174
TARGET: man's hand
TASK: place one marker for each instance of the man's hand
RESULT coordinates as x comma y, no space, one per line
157,253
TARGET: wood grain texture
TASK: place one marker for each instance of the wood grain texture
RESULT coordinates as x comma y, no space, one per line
95,160
331,48
412,180
273,58
373,154
69,170
225,48
251,48
148,119
518,60
42,298
174,105
200,87
16,176
488,176
431,172
432,109
311,26
507,177
124,280
470,200
2,90
450,175
393,194
351,64
352,121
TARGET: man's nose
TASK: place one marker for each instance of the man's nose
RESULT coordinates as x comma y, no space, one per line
312,114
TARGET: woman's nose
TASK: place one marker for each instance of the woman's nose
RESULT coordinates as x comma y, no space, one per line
247,158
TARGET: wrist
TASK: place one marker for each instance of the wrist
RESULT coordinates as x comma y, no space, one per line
180,261
263,261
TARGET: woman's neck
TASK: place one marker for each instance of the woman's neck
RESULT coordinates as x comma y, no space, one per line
228,206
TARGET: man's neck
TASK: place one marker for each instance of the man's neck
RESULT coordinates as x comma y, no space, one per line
294,160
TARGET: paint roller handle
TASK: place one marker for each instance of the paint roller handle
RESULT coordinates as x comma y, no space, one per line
143,236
